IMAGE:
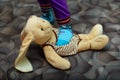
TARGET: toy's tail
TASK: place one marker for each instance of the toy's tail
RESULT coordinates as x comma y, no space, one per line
22,63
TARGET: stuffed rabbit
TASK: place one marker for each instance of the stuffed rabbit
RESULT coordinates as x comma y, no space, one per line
41,32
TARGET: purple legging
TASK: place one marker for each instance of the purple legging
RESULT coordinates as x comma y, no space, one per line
59,6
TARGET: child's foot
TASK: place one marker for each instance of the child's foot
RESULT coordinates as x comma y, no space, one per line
48,16
65,35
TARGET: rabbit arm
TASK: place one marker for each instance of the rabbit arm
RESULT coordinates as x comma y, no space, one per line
54,59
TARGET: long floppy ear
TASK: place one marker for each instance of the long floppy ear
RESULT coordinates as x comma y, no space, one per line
22,35
22,63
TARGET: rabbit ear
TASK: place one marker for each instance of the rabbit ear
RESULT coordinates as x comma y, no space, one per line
22,35
22,63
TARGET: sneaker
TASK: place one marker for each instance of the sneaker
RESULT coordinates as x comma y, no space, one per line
48,16
65,35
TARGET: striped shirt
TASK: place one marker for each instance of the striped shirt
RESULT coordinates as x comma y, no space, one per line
68,49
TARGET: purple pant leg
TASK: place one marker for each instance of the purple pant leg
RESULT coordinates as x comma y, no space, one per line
45,5
44,2
60,9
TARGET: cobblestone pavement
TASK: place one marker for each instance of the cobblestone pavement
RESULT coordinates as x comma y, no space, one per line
87,65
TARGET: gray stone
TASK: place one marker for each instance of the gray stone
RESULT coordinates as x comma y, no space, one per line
104,3
116,40
75,18
103,20
87,55
6,14
119,48
2,24
80,27
97,12
114,75
113,19
115,13
111,27
105,58
94,2
113,65
113,6
115,54
75,8
21,11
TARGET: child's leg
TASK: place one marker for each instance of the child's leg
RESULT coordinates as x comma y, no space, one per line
63,17
46,10
61,11
45,5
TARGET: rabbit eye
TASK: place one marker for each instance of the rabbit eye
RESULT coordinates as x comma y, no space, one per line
42,29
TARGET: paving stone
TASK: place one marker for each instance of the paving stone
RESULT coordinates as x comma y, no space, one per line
87,65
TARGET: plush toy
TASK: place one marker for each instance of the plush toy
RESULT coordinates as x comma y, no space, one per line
41,32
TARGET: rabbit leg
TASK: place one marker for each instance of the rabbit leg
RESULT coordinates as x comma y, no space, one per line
96,43
99,42
96,30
